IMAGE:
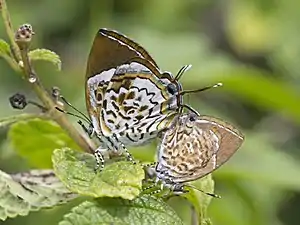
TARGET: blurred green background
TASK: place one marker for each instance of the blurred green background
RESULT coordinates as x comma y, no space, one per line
252,46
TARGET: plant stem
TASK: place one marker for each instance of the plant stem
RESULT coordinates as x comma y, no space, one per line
20,45
49,104
9,30
194,216
12,62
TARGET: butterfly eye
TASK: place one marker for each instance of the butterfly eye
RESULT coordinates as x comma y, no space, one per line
193,117
172,89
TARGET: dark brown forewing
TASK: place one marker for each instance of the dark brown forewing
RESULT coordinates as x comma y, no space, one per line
152,68
110,50
131,43
231,138
161,75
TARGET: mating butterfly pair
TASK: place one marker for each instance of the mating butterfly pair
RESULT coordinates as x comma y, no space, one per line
131,101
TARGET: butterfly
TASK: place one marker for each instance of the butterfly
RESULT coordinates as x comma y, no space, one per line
193,147
128,98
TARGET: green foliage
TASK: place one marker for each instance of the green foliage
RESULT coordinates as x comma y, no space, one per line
262,172
255,86
45,55
24,192
5,53
36,139
201,200
76,171
142,210
4,48
5,122
252,47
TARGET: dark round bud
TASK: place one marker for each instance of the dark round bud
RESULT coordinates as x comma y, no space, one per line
18,101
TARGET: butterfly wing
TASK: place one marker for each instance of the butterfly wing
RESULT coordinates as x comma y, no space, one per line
192,149
137,103
110,49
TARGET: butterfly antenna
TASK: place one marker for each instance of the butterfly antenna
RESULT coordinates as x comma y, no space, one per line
75,115
182,71
86,130
201,89
189,108
70,105
207,193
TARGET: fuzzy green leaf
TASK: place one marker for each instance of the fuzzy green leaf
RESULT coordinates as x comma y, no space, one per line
4,48
36,139
5,53
240,169
118,179
7,121
25,192
200,200
46,55
145,210
244,83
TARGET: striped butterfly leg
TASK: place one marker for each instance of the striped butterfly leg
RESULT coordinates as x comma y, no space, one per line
151,173
152,186
147,165
125,150
128,155
158,187
99,160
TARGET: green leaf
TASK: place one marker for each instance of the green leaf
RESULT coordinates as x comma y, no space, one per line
5,53
280,172
118,179
25,192
4,122
145,210
255,86
201,200
46,55
4,48
246,86
36,139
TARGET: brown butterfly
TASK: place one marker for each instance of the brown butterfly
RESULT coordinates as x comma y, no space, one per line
193,147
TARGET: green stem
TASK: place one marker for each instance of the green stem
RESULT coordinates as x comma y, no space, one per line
9,29
194,216
50,105
20,50
13,64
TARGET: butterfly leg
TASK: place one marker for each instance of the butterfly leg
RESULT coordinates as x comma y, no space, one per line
148,164
125,150
154,185
99,160
153,192
128,155
149,187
